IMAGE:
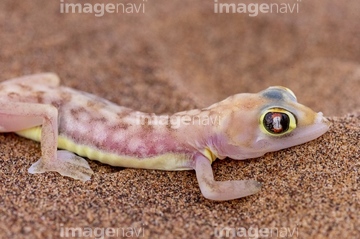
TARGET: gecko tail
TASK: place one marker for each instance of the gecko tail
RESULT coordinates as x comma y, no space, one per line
67,164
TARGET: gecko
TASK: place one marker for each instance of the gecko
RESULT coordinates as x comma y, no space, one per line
82,125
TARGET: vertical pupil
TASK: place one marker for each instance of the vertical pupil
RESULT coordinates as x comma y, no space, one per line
276,122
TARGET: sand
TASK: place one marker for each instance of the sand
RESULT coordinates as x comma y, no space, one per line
177,56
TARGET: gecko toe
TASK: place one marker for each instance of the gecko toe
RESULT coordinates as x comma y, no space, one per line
254,186
67,164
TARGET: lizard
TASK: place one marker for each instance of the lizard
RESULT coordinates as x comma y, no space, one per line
80,124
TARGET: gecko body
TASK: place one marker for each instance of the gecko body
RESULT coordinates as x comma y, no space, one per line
81,124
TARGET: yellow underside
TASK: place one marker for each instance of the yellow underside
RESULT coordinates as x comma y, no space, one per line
168,161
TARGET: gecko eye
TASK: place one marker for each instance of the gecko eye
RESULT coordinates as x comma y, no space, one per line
277,122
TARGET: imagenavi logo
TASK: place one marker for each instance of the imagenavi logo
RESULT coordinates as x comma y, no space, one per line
100,9
254,9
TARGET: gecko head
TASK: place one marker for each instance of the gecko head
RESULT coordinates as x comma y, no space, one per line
268,121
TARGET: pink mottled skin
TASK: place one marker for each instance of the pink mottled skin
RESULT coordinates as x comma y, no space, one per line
185,140
91,120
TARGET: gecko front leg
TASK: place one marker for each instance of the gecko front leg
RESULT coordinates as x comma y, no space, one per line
221,190
17,116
